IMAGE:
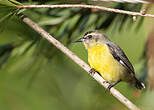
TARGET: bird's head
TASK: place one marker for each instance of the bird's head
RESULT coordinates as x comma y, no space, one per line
92,38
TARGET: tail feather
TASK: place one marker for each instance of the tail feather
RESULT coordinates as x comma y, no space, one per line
139,84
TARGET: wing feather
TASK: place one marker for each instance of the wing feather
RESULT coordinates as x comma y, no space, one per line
120,56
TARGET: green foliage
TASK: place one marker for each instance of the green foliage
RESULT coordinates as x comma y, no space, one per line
36,75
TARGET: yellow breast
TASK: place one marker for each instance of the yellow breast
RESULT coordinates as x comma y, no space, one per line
101,59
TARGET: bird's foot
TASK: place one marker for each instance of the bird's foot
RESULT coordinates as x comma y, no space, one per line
109,87
92,71
112,85
105,82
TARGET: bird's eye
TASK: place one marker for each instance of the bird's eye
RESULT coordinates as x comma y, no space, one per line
89,36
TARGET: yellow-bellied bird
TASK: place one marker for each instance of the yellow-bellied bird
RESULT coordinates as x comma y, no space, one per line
109,60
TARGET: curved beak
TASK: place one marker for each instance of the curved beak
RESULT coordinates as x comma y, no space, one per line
79,40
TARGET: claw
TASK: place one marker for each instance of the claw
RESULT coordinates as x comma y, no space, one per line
92,71
112,85
105,82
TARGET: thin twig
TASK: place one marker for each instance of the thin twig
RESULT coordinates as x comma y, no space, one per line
122,1
87,6
81,63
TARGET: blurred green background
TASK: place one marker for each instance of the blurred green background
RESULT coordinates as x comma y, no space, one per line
34,75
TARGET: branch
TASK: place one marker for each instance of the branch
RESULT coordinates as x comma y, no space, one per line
122,1
77,60
87,6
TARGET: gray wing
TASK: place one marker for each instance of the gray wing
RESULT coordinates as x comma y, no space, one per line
120,56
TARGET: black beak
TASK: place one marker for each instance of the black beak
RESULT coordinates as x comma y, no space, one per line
79,40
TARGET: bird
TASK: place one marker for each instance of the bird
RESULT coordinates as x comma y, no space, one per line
109,60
